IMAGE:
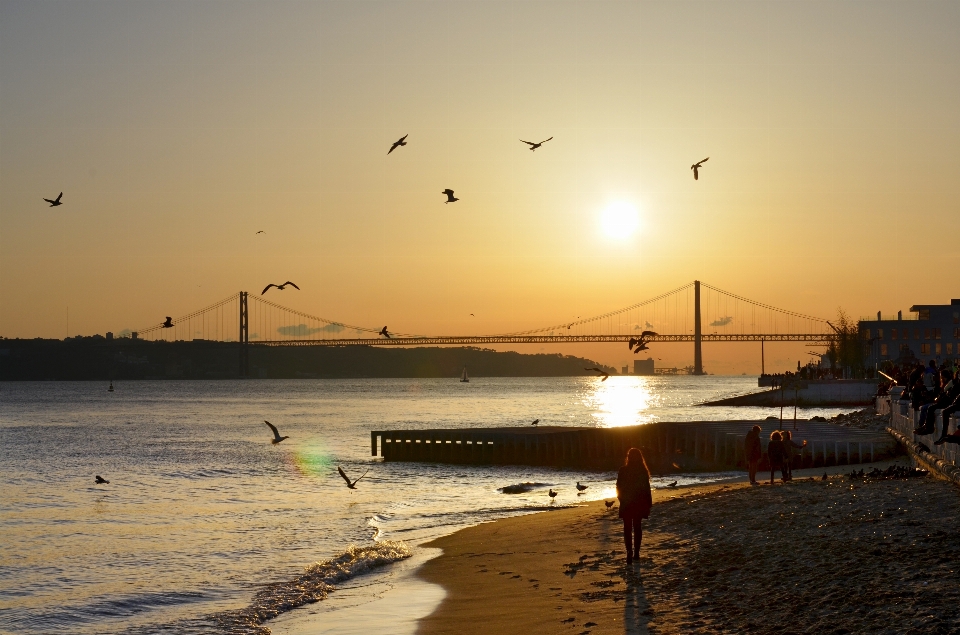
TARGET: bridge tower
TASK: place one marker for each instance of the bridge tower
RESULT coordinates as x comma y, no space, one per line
244,337
697,335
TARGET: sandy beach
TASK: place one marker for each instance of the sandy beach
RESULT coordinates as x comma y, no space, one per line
810,556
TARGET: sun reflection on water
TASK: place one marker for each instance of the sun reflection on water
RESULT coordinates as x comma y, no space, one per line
622,401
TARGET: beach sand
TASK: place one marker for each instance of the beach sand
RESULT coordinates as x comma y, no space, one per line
810,556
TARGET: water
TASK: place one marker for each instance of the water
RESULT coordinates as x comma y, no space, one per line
202,512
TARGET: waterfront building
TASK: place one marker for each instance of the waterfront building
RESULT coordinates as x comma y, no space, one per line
931,332
643,366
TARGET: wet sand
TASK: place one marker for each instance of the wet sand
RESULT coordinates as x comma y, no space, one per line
810,556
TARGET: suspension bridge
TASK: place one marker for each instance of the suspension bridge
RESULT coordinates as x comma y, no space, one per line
696,312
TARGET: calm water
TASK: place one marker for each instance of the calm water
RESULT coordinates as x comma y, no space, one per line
202,511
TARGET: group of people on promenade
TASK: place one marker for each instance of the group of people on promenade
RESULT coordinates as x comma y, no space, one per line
931,388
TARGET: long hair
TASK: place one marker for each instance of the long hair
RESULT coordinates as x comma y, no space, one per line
635,457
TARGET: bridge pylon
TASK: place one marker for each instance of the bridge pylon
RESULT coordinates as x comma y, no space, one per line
697,333
244,337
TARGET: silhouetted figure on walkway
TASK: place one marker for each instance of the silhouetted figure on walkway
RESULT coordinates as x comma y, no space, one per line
450,197
753,450
633,490
55,201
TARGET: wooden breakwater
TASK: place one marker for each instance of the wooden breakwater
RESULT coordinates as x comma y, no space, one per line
809,393
667,447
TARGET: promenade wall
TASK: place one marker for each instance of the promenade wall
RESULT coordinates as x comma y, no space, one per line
903,420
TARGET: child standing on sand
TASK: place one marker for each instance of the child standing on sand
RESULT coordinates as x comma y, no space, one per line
633,490
789,445
776,455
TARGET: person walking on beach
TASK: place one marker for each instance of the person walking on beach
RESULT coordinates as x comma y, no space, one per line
789,445
776,456
633,490
752,450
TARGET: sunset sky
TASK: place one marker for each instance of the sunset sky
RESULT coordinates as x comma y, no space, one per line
177,130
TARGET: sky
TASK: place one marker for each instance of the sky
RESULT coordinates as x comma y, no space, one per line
177,130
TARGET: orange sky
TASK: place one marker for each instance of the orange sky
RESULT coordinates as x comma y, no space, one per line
178,130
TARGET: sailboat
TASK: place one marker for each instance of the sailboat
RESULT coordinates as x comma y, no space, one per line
464,377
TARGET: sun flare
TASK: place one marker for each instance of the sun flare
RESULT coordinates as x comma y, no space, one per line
619,220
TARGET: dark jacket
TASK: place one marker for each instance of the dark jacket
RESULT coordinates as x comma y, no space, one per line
776,452
752,447
633,490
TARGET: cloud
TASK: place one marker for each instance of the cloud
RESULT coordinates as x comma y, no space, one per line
646,325
722,321
124,333
302,330
649,326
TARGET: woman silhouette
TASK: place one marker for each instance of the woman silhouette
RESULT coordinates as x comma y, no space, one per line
633,490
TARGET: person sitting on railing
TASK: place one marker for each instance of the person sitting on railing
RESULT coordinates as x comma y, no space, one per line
951,404
944,397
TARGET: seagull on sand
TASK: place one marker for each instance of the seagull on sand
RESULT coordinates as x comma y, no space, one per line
55,201
279,286
673,484
534,146
384,332
399,142
609,504
276,433
552,494
535,422
605,375
101,481
350,484
697,166
450,197
580,487
824,477
168,324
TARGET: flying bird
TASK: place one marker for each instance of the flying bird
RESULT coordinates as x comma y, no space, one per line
260,232
534,146
535,422
168,324
101,481
54,202
609,504
696,166
279,286
605,375
399,142
580,487
450,197
350,484
276,434
384,332
552,494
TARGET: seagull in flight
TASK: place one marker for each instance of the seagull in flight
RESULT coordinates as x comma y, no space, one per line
535,422
384,332
450,197
279,286
639,344
276,433
101,481
350,484
168,324
534,146
55,201
260,232
697,166
605,375
399,142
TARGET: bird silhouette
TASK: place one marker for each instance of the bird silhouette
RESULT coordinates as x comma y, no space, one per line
350,484
696,166
580,487
279,286
673,484
101,481
535,422
168,324
276,433
384,332
534,146
552,494
605,375
609,504
824,477
55,201
450,197
260,232
399,142
638,344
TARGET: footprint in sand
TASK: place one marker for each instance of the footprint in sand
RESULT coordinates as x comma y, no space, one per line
589,624
567,621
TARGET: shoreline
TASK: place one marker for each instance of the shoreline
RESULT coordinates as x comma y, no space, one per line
827,556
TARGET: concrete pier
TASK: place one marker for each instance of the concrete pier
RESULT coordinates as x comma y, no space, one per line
668,447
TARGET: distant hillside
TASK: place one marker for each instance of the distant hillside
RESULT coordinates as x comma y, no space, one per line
95,358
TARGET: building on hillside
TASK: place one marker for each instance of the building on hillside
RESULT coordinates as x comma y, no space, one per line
932,332
643,366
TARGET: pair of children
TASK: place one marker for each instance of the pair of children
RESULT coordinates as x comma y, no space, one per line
780,453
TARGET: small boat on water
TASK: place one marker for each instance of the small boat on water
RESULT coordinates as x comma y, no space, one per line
463,377
110,389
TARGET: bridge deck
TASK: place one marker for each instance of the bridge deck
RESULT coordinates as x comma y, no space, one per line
668,447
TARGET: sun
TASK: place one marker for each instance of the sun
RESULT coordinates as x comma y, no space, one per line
619,220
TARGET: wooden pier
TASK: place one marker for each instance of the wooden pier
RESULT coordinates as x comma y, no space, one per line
668,447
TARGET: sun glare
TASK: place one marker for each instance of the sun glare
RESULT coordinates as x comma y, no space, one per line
619,220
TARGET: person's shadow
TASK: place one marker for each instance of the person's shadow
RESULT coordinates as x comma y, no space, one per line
636,610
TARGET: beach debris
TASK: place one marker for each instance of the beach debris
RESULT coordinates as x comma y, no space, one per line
520,488
276,433
101,481
580,487
350,484
864,419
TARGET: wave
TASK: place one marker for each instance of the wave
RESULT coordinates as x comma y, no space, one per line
312,586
